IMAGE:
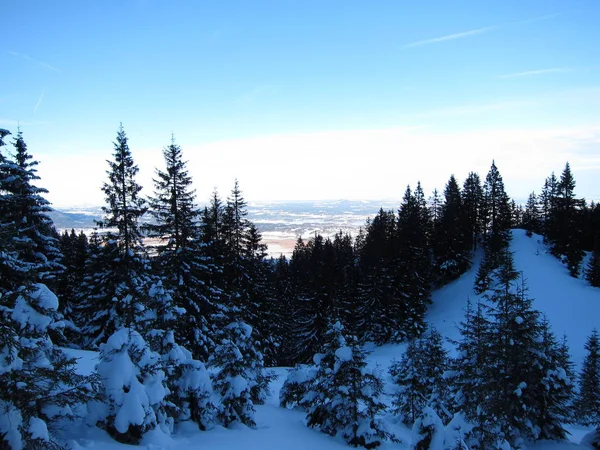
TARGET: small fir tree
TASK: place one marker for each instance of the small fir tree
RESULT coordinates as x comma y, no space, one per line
587,403
419,376
344,396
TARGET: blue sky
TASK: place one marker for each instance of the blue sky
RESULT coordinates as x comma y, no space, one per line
279,93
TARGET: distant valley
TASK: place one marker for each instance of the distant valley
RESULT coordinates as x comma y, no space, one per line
281,223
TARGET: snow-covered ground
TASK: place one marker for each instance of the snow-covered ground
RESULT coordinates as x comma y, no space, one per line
571,305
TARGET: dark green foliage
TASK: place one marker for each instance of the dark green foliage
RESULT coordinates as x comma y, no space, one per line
296,386
531,220
180,260
472,201
343,398
564,228
587,404
25,210
512,377
496,223
115,289
413,263
419,376
238,364
452,244
378,289
75,251
593,269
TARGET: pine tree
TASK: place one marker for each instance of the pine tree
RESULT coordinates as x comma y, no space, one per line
312,304
344,397
40,384
587,403
118,277
531,216
428,431
187,380
565,226
377,285
239,363
555,388
451,246
296,386
133,388
472,200
419,376
414,263
27,210
75,251
546,202
180,261
593,268
496,224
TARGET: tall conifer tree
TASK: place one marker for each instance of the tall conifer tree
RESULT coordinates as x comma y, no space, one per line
180,261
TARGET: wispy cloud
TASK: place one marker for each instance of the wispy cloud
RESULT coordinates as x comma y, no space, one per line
537,19
464,34
450,37
35,61
39,102
528,73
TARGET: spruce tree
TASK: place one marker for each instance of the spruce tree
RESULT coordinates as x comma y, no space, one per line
378,274
565,227
239,364
593,269
414,263
118,276
312,299
75,250
587,403
179,260
452,246
419,376
40,386
133,388
496,224
344,396
27,210
472,200
531,216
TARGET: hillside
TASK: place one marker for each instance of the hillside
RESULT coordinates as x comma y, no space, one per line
571,305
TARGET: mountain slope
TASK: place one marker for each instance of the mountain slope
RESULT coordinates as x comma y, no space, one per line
571,305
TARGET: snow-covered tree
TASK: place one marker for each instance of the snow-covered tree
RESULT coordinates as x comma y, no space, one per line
186,378
511,377
133,388
428,431
344,396
419,376
296,386
40,384
179,259
114,291
240,381
26,208
189,384
496,224
587,403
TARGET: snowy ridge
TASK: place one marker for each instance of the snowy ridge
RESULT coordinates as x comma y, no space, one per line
571,305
